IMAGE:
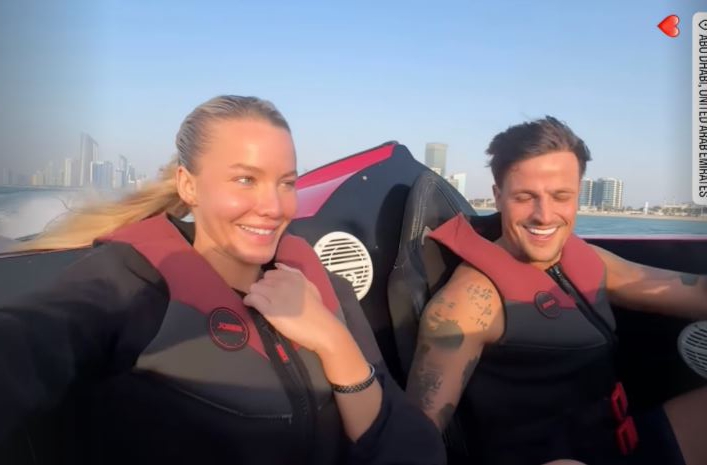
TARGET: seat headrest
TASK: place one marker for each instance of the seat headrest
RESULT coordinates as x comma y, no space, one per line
439,262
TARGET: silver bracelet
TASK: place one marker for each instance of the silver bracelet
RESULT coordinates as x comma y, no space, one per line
353,388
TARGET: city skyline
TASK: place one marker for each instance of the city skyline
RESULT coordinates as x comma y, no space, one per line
592,192
602,194
356,76
83,171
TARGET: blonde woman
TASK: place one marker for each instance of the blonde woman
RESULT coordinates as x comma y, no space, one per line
222,341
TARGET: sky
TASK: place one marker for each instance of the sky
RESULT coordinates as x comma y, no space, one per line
351,75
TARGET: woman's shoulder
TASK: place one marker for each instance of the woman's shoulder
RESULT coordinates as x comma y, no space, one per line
116,261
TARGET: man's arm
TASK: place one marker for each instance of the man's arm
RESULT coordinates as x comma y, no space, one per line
400,433
463,316
645,288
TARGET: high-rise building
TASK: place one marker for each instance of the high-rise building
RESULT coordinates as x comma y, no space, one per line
102,174
436,157
50,175
586,188
131,175
21,179
458,180
121,173
597,192
66,173
608,193
87,155
37,178
6,178
453,182
117,180
72,172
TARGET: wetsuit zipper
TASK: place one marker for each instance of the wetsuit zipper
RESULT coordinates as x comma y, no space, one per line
295,380
555,271
585,307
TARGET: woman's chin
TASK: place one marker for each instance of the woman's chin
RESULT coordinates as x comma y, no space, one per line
258,259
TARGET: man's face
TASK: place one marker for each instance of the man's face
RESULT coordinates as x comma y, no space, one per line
538,203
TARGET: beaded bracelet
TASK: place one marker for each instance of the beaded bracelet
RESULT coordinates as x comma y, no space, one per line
353,388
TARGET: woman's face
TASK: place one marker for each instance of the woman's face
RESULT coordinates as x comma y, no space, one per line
243,192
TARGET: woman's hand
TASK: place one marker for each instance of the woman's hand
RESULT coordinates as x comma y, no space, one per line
293,305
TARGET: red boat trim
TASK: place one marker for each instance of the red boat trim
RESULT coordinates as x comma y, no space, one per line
348,165
315,187
311,199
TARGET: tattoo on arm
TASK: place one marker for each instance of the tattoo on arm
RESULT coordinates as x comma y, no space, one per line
425,380
444,416
480,298
447,333
441,301
485,309
689,279
443,332
476,292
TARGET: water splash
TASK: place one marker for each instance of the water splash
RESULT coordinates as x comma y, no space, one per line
24,213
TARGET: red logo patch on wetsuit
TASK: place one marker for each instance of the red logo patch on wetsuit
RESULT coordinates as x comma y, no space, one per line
227,329
547,304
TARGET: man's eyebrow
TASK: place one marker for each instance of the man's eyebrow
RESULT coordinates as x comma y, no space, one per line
559,190
523,191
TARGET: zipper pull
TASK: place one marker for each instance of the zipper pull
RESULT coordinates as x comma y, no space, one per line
282,353
272,334
560,278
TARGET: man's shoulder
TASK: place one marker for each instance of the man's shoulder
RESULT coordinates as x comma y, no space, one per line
613,263
471,299
466,275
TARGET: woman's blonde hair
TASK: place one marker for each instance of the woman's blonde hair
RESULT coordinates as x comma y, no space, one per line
81,227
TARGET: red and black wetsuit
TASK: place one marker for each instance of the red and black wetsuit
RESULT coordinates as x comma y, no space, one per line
165,365
542,391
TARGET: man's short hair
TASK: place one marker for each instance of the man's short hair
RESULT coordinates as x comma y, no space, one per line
533,139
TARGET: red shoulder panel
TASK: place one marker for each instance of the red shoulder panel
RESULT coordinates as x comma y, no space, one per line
514,280
583,266
191,279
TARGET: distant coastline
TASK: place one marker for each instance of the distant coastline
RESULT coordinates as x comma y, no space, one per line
644,217
622,215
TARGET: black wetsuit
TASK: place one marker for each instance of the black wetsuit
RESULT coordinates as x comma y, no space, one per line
544,391
130,376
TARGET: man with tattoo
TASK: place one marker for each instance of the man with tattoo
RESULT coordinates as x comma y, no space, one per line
520,341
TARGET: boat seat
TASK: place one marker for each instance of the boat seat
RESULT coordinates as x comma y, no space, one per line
430,202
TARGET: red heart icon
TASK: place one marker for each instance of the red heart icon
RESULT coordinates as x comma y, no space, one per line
669,26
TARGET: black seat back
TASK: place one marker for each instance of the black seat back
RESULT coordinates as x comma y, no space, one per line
430,202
